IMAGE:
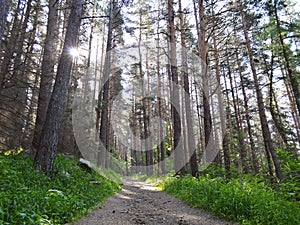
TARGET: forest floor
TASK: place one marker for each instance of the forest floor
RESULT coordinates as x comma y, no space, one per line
142,203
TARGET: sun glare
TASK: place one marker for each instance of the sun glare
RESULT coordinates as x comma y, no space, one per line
74,52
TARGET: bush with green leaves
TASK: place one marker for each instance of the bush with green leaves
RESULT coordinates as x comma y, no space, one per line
246,200
289,187
28,196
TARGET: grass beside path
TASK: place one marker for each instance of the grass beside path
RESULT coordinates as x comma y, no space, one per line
29,197
247,201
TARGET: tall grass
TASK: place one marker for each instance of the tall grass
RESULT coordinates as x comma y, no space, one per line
247,200
29,197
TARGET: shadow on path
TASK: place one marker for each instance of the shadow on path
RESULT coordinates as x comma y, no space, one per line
142,203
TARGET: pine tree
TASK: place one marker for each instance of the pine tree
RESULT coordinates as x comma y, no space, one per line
46,153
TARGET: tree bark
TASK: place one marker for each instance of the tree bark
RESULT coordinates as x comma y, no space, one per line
47,150
274,112
269,147
161,147
47,73
104,126
14,74
11,46
227,139
293,78
178,157
191,147
202,44
239,129
4,8
249,127
226,154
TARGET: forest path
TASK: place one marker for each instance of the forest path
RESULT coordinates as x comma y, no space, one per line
142,203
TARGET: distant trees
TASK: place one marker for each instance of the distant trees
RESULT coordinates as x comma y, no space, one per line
18,66
249,68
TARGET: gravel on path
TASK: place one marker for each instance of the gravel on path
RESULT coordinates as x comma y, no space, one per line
142,203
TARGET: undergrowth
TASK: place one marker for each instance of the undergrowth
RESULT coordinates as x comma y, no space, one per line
30,197
247,200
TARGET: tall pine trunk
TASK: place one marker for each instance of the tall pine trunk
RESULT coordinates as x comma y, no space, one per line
104,126
47,150
202,45
269,147
47,73
246,106
239,128
293,78
177,143
191,147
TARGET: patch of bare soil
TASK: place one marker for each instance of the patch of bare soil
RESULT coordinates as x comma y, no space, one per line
142,203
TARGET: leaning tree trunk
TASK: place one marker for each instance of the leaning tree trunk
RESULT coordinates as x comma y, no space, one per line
240,135
247,115
45,156
292,76
269,147
279,125
226,154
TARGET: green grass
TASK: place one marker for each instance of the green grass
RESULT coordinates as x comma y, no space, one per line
29,197
155,180
247,201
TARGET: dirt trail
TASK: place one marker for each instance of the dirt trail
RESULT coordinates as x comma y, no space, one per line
142,203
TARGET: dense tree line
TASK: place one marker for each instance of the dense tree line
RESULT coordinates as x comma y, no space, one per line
239,107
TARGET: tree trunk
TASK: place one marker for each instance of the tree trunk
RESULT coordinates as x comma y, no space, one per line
10,49
191,147
274,113
46,73
227,139
294,113
4,8
202,44
104,126
44,159
98,109
161,147
249,127
226,154
269,147
178,162
30,82
239,129
149,152
15,69
293,78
